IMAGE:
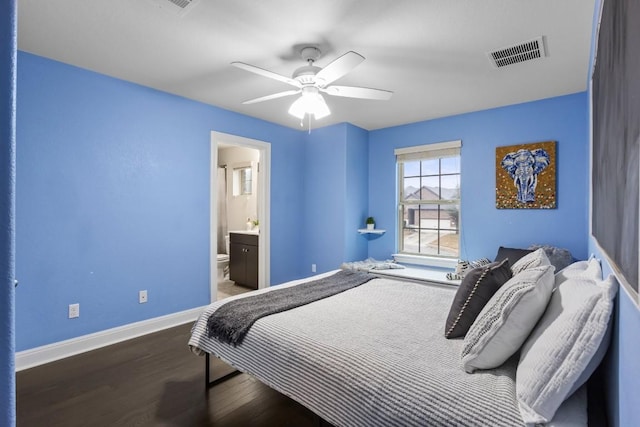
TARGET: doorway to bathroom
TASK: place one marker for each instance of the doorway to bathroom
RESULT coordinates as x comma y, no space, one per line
240,194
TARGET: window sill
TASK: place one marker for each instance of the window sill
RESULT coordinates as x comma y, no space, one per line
425,260
422,275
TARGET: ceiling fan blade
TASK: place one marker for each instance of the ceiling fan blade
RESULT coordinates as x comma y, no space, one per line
273,96
358,92
266,73
338,68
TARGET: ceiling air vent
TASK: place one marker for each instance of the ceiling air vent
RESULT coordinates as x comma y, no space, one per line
525,51
176,7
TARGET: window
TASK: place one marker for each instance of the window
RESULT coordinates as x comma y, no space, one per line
242,181
429,199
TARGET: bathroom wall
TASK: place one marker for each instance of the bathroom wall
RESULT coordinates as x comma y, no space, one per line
239,208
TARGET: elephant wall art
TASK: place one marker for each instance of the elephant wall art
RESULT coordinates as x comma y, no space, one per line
526,176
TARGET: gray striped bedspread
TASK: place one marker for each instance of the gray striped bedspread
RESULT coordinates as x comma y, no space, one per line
374,355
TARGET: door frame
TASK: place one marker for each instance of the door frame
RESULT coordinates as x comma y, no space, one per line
264,207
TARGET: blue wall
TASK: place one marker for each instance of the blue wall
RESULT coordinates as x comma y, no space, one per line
485,228
624,376
335,196
113,198
324,207
7,193
622,364
356,193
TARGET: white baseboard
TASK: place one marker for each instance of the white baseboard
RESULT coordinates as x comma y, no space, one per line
59,350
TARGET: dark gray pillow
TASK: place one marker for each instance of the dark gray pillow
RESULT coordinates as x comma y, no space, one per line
559,257
512,254
476,289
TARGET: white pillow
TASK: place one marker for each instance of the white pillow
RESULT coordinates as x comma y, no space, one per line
587,269
562,344
590,269
536,258
507,319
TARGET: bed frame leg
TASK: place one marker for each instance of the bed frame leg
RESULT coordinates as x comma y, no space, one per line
207,374
206,371
318,421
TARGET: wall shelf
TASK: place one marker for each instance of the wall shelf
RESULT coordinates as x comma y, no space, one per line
374,231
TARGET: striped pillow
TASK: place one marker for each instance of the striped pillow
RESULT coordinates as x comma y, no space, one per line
507,319
464,266
536,258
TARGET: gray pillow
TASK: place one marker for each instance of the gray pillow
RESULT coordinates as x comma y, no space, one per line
562,344
476,289
507,319
559,257
512,254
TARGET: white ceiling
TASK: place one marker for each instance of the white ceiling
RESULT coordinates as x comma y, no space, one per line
431,54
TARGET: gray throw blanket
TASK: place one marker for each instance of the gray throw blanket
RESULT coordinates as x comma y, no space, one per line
231,321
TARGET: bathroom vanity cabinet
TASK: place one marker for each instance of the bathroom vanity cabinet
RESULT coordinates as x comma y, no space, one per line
243,259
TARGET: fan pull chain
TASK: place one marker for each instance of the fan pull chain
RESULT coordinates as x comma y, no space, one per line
309,121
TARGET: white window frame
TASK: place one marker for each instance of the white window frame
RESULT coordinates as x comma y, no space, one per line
424,152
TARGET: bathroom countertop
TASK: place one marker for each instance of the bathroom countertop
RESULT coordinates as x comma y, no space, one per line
253,232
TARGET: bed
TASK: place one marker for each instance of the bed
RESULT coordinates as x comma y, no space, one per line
375,355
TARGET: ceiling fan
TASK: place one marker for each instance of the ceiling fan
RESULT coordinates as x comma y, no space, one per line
310,80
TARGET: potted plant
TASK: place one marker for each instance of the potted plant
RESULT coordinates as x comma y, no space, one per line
256,224
371,223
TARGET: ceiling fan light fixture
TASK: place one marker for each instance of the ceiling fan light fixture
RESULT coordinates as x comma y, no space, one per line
310,80
312,103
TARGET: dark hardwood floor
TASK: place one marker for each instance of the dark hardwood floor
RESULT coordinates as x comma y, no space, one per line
148,381
155,380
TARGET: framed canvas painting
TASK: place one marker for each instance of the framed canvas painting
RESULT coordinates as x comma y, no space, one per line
526,176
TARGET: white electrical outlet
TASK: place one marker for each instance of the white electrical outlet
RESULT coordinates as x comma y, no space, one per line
313,268
74,311
142,297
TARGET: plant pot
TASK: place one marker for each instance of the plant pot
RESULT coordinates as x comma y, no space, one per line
371,226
